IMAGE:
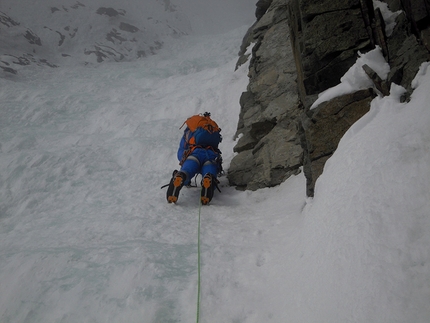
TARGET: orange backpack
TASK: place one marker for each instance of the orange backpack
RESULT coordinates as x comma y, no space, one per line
203,131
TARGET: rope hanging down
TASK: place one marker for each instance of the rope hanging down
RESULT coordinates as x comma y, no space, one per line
198,265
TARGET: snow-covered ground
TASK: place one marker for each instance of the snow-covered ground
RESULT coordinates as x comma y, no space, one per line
86,234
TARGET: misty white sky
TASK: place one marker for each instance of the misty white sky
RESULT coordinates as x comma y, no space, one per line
68,29
209,16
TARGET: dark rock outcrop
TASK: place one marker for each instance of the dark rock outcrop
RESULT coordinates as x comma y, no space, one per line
262,6
28,42
326,36
110,12
324,127
7,21
128,28
268,149
279,132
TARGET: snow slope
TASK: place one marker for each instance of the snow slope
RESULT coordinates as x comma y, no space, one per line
368,229
87,236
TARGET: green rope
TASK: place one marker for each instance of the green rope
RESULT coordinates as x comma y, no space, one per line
198,265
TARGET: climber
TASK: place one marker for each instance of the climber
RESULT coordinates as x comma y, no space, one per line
198,153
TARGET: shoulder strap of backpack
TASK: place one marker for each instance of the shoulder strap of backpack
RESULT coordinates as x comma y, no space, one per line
199,120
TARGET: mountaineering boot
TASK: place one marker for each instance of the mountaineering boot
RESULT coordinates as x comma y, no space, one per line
208,183
175,185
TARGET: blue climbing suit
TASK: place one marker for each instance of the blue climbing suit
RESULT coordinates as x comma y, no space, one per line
197,159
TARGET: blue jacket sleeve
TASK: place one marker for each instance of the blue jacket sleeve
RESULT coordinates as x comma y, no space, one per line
182,147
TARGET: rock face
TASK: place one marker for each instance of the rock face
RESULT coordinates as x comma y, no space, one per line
268,150
324,127
326,36
291,65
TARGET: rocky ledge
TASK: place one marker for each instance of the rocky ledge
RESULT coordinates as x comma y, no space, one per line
300,49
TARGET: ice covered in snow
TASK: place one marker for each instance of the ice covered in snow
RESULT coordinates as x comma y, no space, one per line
86,234
355,78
